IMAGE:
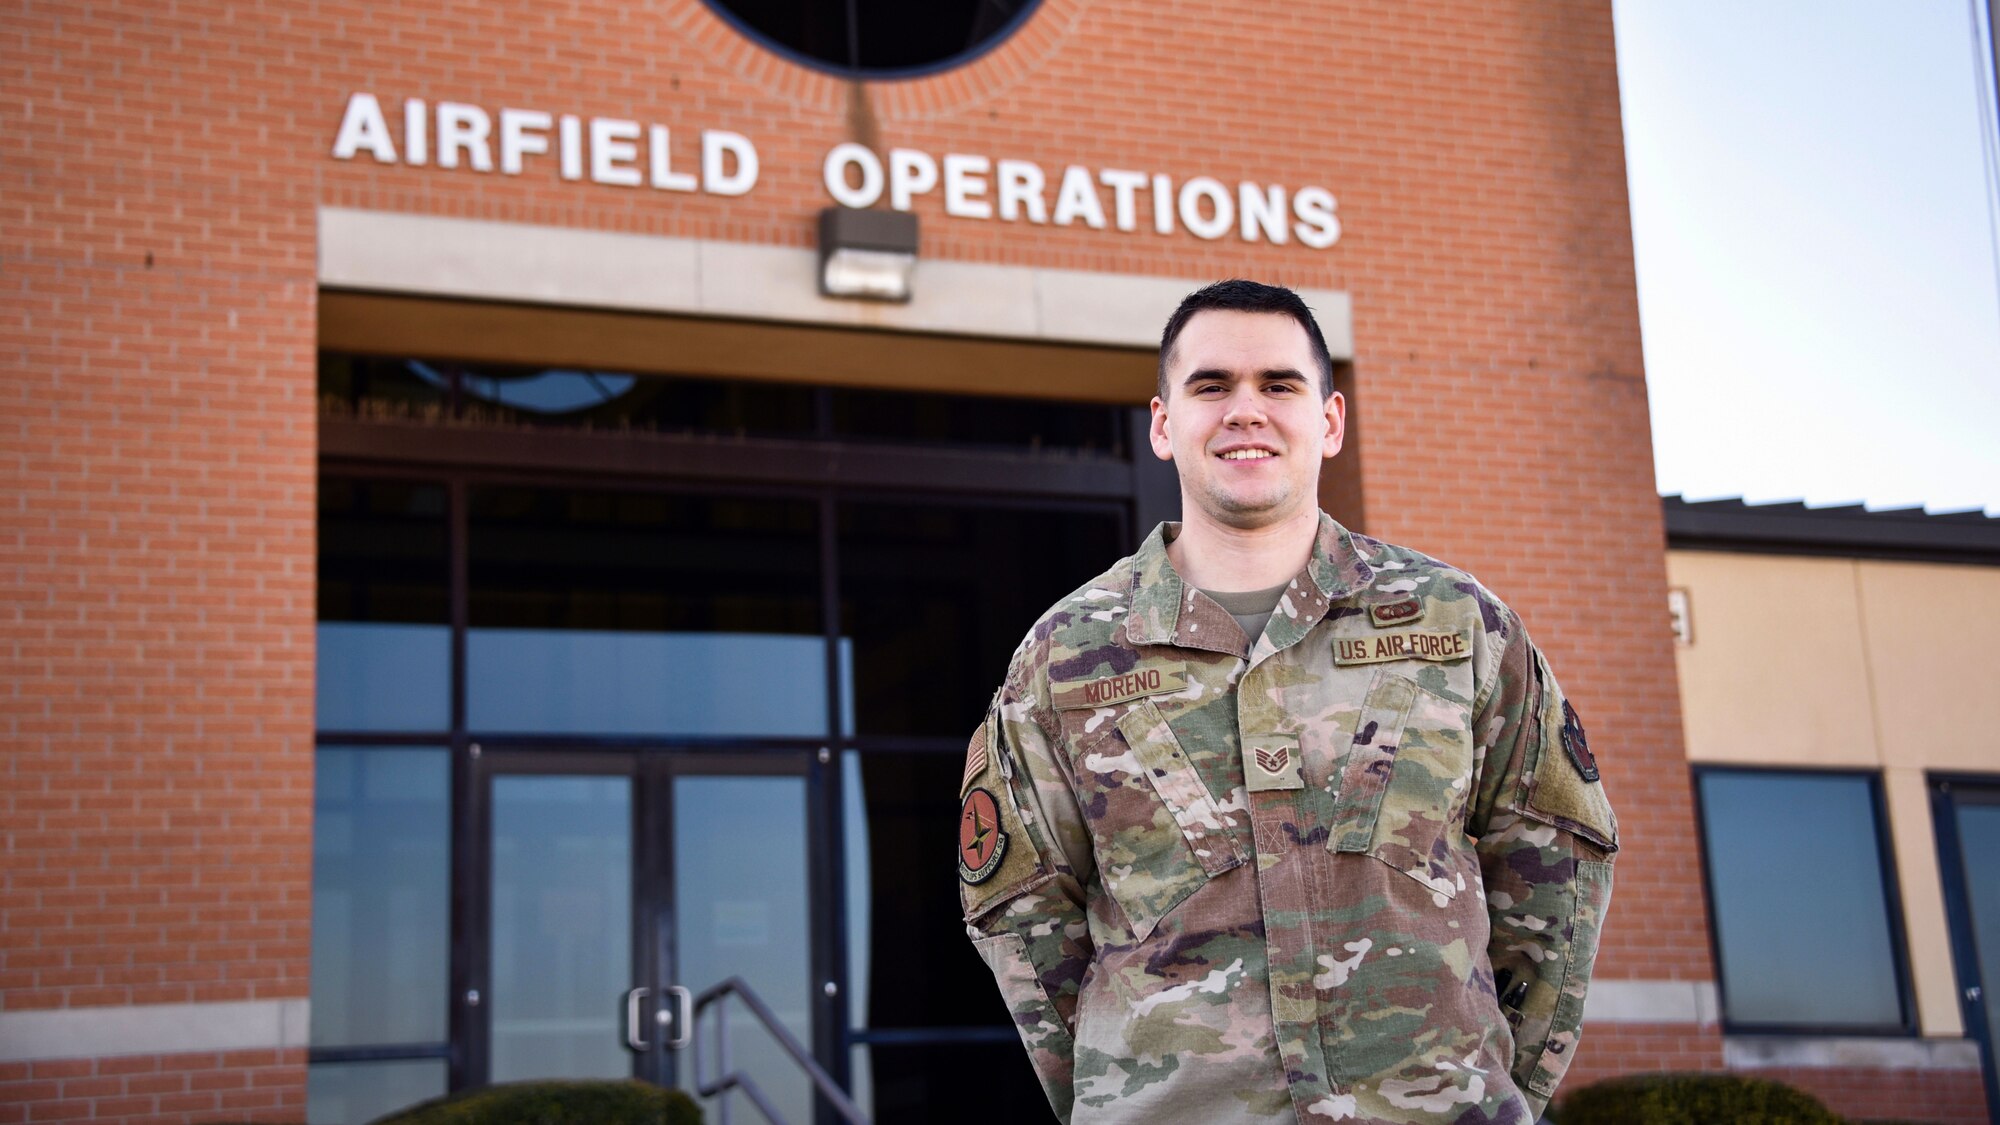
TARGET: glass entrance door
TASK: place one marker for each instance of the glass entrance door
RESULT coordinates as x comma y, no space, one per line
1967,814
622,884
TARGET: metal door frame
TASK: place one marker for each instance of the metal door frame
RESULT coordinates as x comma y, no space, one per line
1946,791
653,770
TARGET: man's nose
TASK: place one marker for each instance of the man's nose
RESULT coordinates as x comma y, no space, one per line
1244,408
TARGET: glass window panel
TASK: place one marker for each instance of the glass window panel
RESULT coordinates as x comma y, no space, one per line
384,641
916,1084
383,677
714,684
910,961
381,895
355,1093
741,909
936,598
562,926
1979,844
630,612
1795,864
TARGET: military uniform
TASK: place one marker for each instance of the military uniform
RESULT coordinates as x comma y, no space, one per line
1224,878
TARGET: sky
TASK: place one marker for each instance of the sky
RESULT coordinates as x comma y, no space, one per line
1814,230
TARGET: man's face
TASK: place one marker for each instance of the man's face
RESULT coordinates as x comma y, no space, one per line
1243,421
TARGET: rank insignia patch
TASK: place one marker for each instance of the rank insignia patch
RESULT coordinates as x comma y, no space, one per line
1577,744
981,844
1402,611
1271,763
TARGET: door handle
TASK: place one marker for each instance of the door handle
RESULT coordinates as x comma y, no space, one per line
634,1037
683,1017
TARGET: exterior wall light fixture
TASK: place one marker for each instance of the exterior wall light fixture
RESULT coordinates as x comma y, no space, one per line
866,254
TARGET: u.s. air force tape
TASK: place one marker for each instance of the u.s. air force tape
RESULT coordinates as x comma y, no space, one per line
1412,644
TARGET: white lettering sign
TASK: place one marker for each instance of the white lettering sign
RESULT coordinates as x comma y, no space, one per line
635,154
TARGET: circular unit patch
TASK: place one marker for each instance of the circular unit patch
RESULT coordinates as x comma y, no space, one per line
1578,744
981,844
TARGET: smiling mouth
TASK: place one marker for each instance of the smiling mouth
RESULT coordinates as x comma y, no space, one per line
1247,455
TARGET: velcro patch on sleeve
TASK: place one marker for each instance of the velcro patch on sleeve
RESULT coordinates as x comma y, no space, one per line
975,759
1563,788
1108,691
1410,644
997,854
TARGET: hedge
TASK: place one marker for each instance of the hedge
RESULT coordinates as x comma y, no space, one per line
1692,1099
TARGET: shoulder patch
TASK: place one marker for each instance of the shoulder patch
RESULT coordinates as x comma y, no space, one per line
982,843
975,760
1577,745
998,858
1563,788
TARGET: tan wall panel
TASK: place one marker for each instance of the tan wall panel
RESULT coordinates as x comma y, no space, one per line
1931,632
1776,673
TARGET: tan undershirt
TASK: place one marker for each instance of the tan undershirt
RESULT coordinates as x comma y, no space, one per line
1252,609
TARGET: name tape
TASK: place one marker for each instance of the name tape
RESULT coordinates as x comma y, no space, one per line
1108,691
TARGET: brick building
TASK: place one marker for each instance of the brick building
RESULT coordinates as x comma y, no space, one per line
466,582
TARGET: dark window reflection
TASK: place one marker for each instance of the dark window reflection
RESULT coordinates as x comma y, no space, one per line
964,1083
367,387
968,420
384,640
642,613
918,967
616,402
936,598
381,551
560,559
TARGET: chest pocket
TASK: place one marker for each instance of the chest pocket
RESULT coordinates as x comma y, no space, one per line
1157,833
1404,782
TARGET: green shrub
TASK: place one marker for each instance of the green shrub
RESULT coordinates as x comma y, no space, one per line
555,1103
1692,1099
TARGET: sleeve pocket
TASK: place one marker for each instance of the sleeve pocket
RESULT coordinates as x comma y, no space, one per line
1565,1023
1050,1042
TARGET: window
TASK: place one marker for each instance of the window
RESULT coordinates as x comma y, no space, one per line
877,38
1806,935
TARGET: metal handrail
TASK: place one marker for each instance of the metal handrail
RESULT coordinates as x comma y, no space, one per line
730,1079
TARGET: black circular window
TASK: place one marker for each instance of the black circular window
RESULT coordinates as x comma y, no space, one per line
877,38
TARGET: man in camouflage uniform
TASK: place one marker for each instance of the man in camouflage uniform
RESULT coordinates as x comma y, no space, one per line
1330,850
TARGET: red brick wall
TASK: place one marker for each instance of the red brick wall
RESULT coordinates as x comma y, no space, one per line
157,1089
1950,1097
156,221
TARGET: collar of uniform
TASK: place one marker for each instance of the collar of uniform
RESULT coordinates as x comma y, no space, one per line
1164,610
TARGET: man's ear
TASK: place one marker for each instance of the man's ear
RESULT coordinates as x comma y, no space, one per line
1336,424
1163,446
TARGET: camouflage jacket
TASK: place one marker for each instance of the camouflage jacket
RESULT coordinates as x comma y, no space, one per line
1353,870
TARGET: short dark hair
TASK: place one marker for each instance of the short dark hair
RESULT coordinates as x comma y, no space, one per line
1238,295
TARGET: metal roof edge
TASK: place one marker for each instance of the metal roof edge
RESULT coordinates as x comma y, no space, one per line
1847,530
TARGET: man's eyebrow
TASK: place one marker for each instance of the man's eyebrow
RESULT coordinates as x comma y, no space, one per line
1287,374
